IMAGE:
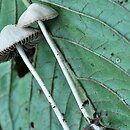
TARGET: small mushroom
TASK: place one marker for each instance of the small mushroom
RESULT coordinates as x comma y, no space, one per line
25,19
36,12
13,37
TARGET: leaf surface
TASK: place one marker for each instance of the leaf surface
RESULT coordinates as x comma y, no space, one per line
94,38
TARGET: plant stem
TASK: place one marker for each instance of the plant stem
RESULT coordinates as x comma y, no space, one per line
61,60
42,85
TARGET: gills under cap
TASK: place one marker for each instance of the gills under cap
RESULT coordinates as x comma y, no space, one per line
36,12
11,35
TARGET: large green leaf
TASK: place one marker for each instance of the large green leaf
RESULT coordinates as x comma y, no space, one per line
94,38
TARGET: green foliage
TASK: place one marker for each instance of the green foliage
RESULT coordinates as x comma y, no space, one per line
93,36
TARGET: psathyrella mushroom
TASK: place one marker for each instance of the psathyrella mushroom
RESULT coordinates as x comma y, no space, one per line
10,36
36,12
12,39
32,15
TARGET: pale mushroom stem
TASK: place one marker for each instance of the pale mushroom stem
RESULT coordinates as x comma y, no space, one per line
42,85
60,60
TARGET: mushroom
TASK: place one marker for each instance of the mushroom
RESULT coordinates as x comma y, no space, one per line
36,12
13,37
10,35
33,14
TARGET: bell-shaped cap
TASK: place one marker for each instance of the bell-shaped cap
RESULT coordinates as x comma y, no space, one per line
36,12
11,35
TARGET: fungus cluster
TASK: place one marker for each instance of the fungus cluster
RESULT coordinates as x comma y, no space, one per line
14,38
11,35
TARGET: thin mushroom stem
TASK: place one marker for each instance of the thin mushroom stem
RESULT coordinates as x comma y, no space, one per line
42,85
60,60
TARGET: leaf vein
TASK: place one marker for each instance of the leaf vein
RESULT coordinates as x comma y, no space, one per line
107,88
91,51
93,18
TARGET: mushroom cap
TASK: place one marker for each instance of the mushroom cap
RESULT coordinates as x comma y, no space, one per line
11,35
36,12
